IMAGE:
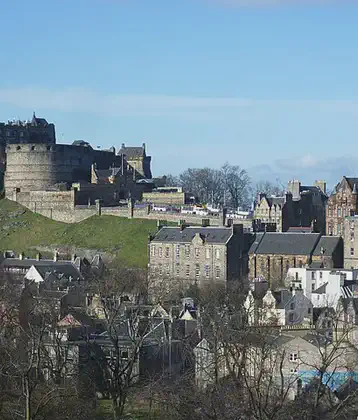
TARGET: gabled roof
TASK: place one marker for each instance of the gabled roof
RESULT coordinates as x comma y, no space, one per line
322,289
132,152
213,234
351,181
275,201
328,244
67,268
286,243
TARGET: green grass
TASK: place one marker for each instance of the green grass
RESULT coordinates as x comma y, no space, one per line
127,239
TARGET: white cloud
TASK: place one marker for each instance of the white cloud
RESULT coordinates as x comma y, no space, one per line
88,101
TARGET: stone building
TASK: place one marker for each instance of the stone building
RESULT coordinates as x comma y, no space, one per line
167,195
183,256
138,159
272,254
301,206
342,202
350,235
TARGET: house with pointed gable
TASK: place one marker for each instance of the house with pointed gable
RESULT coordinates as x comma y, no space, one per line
343,202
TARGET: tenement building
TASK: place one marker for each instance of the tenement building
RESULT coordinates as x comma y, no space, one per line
182,256
342,202
272,254
300,206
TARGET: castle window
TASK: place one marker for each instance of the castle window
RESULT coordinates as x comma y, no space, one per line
187,270
339,212
177,268
187,251
160,253
217,254
293,357
21,134
352,251
320,274
197,252
313,275
197,270
48,147
160,269
177,249
153,250
167,252
32,147
217,272
8,134
18,148
207,252
168,269
207,270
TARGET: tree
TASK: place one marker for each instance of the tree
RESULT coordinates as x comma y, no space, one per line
236,185
269,188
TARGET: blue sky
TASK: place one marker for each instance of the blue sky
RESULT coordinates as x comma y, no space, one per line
270,85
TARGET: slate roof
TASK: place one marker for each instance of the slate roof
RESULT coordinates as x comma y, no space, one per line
219,235
322,289
285,243
328,243
351,181
282,298
43,266
132,152
254,246
275,201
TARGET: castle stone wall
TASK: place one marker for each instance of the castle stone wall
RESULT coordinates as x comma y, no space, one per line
30,167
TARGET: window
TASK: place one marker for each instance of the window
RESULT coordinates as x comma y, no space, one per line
160,252
292,306
187,270
329,324
309,311
168,269
21,134
160,269
197,270
320,274
167,252
207,253
152,250
296,276
338,228
217,254
217,272
293,371
329,212
197,252
313,287
300,264
313,275
187,251
177,251
339,212
293,357
177,269
290,317
207,270
352,235
330,230
124,354
352,251
8,134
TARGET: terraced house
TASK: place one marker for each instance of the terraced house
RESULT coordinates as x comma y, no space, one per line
183,256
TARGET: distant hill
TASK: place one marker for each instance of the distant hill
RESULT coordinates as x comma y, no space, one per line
123,239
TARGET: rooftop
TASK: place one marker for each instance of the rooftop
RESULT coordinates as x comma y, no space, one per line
211,234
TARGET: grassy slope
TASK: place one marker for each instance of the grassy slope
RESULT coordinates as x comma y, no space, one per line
124,237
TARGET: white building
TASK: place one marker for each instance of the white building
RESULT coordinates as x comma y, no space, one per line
323,286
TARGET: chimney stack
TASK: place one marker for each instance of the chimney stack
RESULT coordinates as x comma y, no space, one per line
55,256
38,256
21,256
